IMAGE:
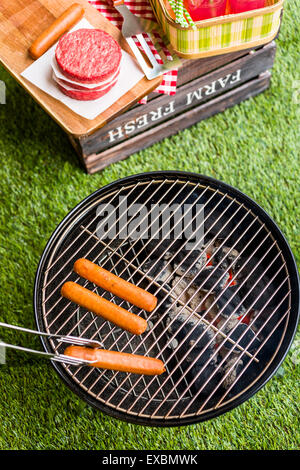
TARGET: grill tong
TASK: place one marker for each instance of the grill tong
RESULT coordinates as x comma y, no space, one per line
61,338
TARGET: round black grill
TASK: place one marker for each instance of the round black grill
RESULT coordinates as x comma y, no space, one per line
227,288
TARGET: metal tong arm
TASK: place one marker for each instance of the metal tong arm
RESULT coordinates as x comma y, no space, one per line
61,338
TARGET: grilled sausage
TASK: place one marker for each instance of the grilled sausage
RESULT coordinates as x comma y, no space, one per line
116,285
62,24
115,360
102,307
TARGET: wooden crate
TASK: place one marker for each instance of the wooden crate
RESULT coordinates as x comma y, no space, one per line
205,87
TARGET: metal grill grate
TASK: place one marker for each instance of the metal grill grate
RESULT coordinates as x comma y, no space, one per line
207,365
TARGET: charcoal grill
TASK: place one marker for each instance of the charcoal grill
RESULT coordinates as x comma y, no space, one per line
227,308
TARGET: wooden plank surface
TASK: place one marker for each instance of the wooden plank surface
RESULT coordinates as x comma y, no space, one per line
195,68
96,162
21,21
192,69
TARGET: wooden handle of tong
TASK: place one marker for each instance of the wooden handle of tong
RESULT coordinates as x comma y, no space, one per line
118,2
62,24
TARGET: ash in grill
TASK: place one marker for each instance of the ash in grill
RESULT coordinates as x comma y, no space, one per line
223,306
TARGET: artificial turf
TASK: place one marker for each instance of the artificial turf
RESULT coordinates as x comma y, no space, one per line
253,146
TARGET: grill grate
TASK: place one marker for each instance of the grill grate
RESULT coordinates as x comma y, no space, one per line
209,360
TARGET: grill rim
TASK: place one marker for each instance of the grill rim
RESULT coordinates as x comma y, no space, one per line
291,327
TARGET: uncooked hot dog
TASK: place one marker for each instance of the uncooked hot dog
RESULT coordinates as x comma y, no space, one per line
115,360
102,307
114,284
62,24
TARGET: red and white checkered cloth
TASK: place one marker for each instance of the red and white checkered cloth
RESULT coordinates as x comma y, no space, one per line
139,8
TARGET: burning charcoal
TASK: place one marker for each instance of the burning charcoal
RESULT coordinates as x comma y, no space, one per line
195,260
182,314
242,335
229,302
225,325
180,286
211,278
165,301
224,255
195,297
185,326
189,294
237,365
211,310
254,317
194,348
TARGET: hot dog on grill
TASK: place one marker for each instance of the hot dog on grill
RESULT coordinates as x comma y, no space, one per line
116,285
62,24
115,360
102,307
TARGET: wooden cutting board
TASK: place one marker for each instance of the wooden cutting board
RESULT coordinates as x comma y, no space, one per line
21,22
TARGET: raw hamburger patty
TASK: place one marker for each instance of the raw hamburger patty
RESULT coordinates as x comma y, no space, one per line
85,86
88,55
76,85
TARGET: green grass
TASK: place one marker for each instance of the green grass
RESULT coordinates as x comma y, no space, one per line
253,146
